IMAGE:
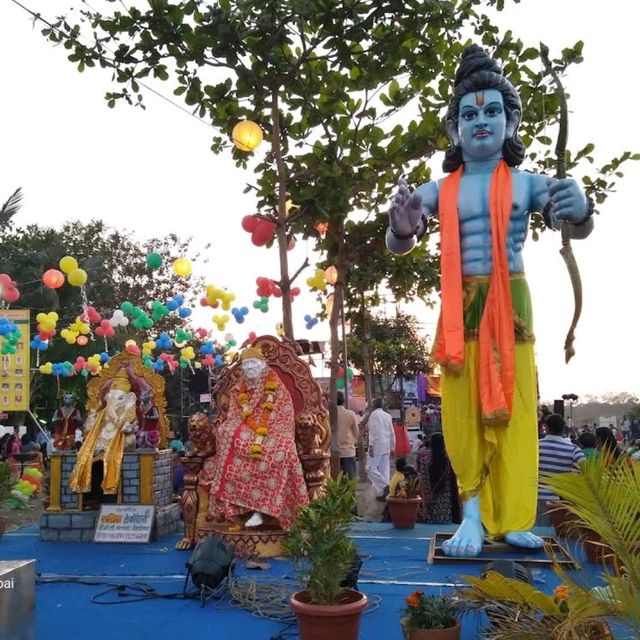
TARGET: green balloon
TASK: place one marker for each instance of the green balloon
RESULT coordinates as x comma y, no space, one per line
154,260
126,306
340,383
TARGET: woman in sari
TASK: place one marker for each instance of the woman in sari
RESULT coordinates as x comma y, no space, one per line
437,483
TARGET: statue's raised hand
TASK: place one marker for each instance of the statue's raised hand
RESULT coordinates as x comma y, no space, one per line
405,211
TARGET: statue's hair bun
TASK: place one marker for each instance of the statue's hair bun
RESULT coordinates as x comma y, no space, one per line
474,60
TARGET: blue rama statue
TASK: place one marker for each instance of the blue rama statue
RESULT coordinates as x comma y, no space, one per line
484,341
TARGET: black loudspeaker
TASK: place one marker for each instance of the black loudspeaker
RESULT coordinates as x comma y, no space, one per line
209,563
199,382
558,407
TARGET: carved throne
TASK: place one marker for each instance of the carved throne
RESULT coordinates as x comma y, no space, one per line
313,437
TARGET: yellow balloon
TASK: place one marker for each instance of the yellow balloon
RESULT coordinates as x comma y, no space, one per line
68,264
182,267
247,135
77,277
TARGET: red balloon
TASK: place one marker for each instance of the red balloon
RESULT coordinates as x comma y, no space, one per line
263,233
340,372
53,279
5,280
11,294
249,223
204,302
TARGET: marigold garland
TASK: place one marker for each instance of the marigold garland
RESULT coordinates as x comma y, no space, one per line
259,428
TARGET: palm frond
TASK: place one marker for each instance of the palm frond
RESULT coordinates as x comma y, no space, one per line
494,586
10,207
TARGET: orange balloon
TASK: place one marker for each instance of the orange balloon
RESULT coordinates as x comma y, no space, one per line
331,275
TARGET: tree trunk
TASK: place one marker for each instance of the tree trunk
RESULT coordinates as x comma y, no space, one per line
281,229
336,313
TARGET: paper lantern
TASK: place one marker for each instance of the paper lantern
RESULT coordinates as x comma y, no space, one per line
322,228
53,279
329,304
331,275
182,267
68,264
247,135
82,340
77,277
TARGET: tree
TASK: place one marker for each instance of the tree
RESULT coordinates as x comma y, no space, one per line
397,348
328,81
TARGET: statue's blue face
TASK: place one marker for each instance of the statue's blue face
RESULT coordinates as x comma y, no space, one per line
482,124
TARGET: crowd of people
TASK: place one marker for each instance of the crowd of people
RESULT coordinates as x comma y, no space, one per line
560,450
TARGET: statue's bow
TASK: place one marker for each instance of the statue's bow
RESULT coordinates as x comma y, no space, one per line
561,172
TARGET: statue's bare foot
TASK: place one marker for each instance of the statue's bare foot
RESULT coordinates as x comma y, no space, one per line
254,521
524,539
467,540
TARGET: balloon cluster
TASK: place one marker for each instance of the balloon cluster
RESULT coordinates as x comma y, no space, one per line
84,367
221,321
10,335
310,321
92,365
260,228
268,287
29,483
76,277
215,297
340,382
8,289
317,280
262,304
239,314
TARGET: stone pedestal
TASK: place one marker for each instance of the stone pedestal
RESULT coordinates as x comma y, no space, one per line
147,478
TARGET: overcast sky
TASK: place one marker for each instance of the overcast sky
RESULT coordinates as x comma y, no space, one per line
152,172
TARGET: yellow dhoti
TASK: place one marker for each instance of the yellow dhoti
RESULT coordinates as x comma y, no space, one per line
498,462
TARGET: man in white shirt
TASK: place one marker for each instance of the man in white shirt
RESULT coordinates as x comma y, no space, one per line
382,442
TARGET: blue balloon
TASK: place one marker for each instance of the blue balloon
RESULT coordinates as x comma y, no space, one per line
171,304
179,300
184,312
158,366
104,357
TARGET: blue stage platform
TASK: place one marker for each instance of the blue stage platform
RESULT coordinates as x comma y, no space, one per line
395,565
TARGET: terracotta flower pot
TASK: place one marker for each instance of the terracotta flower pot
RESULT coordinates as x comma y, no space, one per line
403,511
451,633
564,522
337,621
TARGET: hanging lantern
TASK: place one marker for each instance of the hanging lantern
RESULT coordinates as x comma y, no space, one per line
331,275
247,135
329,304
182,267
53,279
82,340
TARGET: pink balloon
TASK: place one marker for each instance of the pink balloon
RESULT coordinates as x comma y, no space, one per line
11,294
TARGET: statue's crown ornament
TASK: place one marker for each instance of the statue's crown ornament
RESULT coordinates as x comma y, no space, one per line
121,381
252,352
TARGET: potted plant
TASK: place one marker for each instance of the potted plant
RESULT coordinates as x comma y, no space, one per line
429,618
318,544
6,485
404,504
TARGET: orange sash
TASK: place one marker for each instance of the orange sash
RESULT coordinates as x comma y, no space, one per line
496,366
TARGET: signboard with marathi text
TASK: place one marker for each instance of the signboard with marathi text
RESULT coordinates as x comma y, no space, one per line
14,363
124,523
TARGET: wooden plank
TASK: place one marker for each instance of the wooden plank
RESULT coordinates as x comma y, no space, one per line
491,550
